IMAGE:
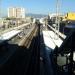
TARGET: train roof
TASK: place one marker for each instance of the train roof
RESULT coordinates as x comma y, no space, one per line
9,35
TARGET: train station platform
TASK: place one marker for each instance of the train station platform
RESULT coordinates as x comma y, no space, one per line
49,40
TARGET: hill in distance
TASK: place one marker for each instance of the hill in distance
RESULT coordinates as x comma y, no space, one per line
36,15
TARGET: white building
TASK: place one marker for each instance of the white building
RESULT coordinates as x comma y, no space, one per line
53,15
16,12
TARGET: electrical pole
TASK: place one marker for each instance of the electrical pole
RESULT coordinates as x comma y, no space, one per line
57,16
0,9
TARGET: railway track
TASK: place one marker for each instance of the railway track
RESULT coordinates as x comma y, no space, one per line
26,56
26,41
34,66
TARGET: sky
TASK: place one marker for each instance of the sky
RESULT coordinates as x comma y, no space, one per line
38,6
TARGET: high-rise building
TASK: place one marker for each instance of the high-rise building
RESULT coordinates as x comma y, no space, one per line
16,12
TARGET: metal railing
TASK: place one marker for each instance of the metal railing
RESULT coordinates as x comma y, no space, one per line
13,28
59,33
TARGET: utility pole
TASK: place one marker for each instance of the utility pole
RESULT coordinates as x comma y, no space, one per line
46,23
57,16
58,13
0,9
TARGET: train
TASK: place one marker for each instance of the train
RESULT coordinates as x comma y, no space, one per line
9,35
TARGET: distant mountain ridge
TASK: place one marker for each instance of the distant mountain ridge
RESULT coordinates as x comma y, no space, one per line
29,14
36,15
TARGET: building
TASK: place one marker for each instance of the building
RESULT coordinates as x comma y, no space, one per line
54,15
16,12
70,16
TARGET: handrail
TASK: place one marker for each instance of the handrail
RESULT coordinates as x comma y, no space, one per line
14,28
59,33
